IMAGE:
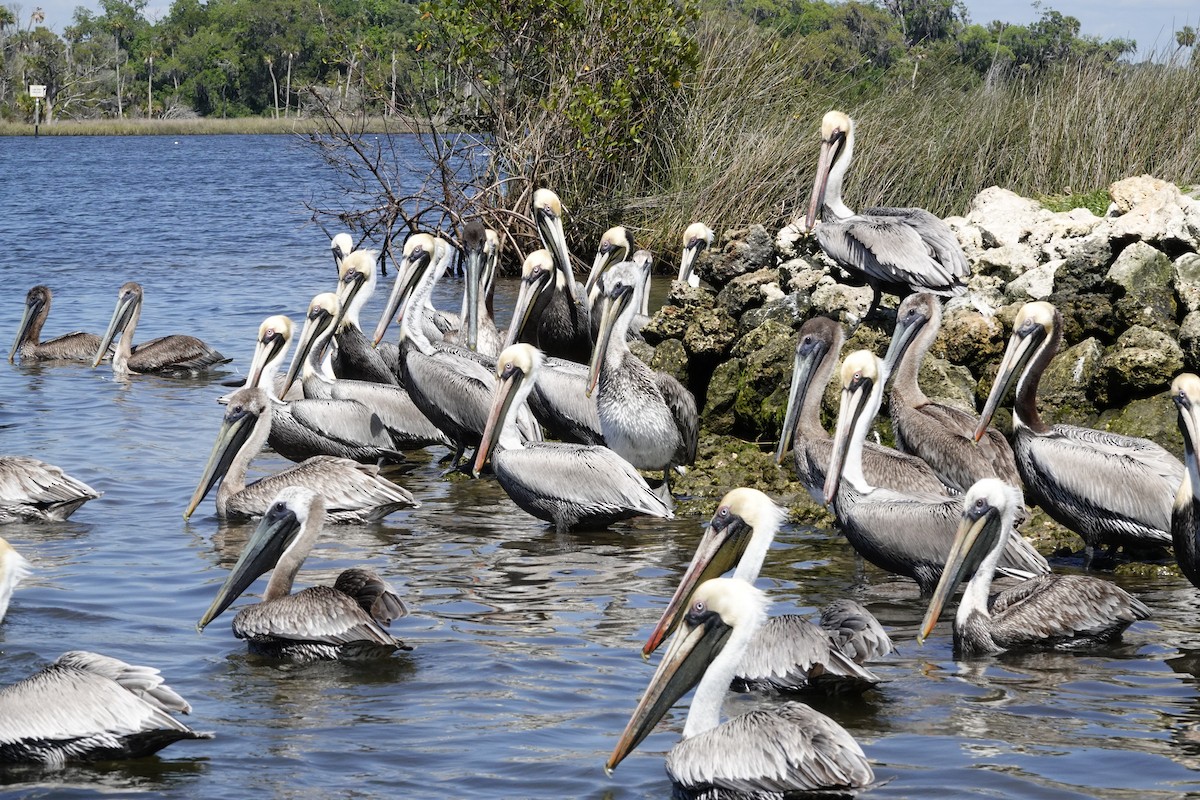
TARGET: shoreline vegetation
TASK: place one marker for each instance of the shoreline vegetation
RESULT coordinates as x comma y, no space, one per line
305,126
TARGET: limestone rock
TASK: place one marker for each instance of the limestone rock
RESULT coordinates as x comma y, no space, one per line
1007,261
709,333
1003,217
790,310
843,302
1142,277
1165,218
1189,341
671,321
1153,418
746,251
1186,272
948,383
970,339
1142,361
1034,284
1063,392
670,357
1128,192
746,291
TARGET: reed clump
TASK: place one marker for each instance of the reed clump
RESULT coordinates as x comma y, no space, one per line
196,126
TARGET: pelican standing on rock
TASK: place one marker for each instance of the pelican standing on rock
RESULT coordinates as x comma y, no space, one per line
1108,488
1056,612
771,751
696,239
788,653
89,707
13,569
941,435
897,250
174,353
1185,514
571,485
344,621
76,346
353,492
906,533
32,490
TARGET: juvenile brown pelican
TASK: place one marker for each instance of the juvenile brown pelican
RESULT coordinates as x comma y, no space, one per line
89,707
563,329
1056,612
788,653
353,492
616,245
344,621
1108,488
354,357
77,346
768,752
942,436
34,490
174,353
817,348
571,485
647,417
13,569
897,250
1185,514
906,533
696,239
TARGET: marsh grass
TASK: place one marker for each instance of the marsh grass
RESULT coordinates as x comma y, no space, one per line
199,126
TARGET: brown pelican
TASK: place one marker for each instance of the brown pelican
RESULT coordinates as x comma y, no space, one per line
13,569
855,631
354,357
647,417
767,752
89,707
353,492
571,485
788,653
1106,487
481,251
34,490
906,533
1057,612
1185,514
696,239
563,329
77,346
616,245
817,348
341,246
320,622
942,436
175,353
897,250
421,250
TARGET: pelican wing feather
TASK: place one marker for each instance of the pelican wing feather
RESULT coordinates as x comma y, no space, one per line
319,614
1061,608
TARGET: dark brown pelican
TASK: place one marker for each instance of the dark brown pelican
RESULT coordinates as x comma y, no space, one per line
34,490
563,329
13,569
477,327
696,239
942,436
77,346
616,245
89,707
647,417
354,356
1056,612
353,492
906,533
788,653
345,621
1108,488
817,348
782,750
1185,514
897,250
571,485
175,353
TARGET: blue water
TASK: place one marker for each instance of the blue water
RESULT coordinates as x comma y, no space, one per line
526,663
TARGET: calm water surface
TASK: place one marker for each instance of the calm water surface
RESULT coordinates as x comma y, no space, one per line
526,664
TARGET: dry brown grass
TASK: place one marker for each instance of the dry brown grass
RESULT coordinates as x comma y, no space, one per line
189,127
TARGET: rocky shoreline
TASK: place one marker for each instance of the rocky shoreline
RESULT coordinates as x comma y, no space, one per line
1127,284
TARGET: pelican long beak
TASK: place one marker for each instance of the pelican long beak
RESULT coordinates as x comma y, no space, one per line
523,310
275,532
1189,426
829,151
605,256
407,278
904,334
686,260
235,430
506,391
550,227
977,531
348,288
474,269
808,355
854,401
318,327
126,305
267,350
610,309
1024,342
31,311
691,651
719,551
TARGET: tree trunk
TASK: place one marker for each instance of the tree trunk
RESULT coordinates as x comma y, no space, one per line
274,85
150,89
287,88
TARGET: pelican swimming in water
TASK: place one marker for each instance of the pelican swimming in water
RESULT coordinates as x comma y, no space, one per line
1185,514
89,707
563,328
175,353
354,356
647,417
353,492
696,239
817,348
13,569
421,251
32,490
906,533
774,751
571,485
477,326
897,250
788,653
343,621
1055,612
941,435
1108,488
77,346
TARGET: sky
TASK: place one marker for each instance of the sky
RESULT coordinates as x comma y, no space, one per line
1152,23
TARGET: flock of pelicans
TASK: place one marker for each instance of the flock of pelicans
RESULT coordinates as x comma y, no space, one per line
570,419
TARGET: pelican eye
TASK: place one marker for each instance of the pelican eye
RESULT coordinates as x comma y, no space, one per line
699,607
279,507
981,504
